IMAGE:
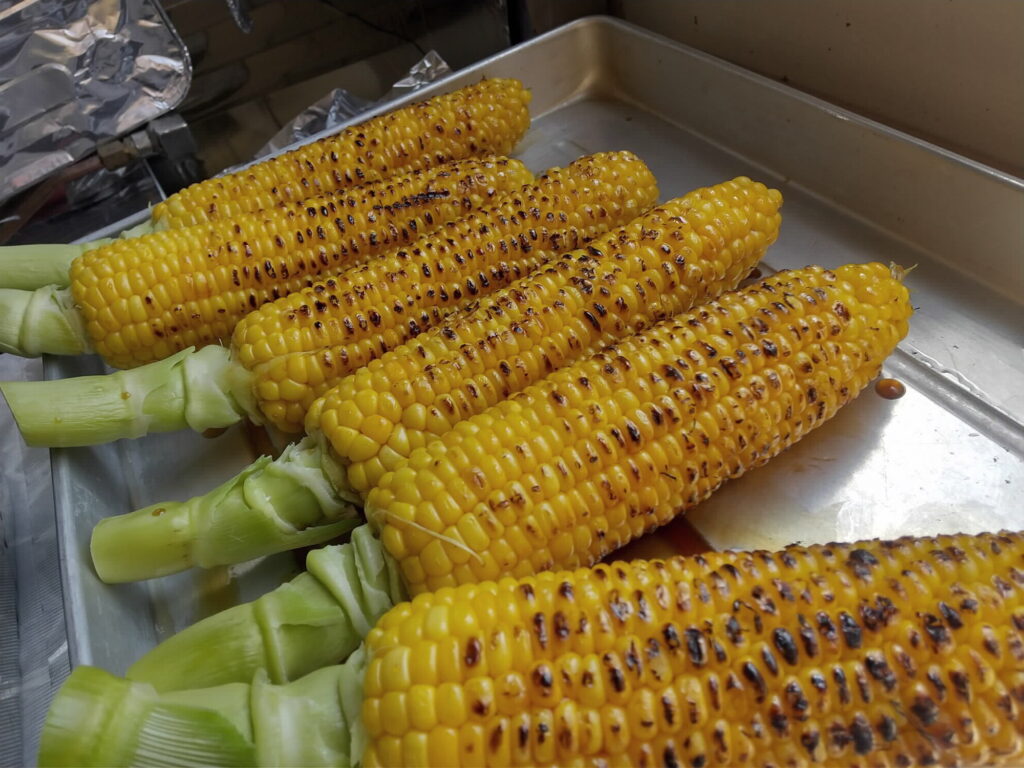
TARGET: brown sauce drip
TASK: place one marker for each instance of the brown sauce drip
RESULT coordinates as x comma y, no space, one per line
890,389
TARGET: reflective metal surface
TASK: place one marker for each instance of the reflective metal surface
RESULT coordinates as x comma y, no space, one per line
33,637
73,74
945,457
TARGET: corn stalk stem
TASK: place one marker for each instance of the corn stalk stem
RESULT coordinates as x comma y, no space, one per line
41,321
98,719
197,390
27,267
317,619
269,507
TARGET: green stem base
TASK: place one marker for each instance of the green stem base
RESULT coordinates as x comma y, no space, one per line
42,321
271,506
27,267
316,619
197,390
97,719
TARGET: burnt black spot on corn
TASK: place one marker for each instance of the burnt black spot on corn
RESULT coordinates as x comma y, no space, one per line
604,706
404,140
476,538
130,287
276,344
545,322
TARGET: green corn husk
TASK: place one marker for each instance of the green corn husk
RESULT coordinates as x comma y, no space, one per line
271,506
28,267
315,721
97,719
41,322
315,620
193,389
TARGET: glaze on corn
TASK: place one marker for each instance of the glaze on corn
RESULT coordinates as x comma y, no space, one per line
487,118
145,298
683,253
299,347
606,449
893,653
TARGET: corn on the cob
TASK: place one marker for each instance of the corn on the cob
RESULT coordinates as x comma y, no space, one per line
601,451
899,653
486,118
147,298
598,452
144,298
892,653
301,346
292,350
628,265
684,253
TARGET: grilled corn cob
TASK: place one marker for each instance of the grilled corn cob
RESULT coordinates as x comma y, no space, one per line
487,118
299,347
290,351
146,298
684,253
711,262
603,450
148,317
892,653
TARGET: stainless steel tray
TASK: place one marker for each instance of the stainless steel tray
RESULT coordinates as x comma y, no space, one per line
946,457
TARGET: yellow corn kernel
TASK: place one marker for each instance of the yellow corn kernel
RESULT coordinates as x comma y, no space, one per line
487,118
725,659
318,335
674,377
207,277
570,308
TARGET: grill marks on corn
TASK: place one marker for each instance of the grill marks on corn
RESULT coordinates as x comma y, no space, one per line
368,311
621,283
627,473
146,298
486,118
670,672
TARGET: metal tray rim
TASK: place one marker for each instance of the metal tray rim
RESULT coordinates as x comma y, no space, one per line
611,22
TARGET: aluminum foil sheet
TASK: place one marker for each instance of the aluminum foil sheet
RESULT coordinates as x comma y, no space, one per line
76,73
340,105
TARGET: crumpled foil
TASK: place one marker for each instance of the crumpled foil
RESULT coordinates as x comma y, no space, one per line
74,74
340,105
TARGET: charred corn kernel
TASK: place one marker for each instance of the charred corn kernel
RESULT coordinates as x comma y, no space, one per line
487,118
843,654
316,336
190,286
714,394
680,254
